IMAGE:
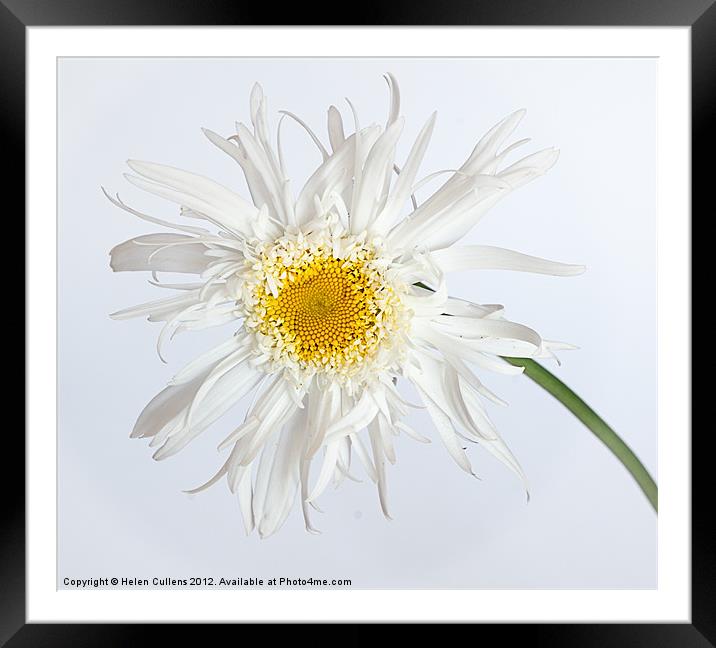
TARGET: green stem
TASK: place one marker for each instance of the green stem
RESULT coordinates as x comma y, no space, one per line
550,383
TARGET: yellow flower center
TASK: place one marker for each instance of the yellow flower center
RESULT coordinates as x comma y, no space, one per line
325,312
324,302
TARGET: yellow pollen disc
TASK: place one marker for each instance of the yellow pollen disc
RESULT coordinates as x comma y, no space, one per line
324,312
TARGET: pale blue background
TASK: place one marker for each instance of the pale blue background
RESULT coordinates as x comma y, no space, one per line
587,525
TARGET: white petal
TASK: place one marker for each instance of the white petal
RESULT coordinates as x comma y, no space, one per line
386,432
245,493
500,337
257,188
226,393
487,257
462,349
447,433
273,410
285,476
270,176
411,432
323,409
151,219
496,446
486,149
305,468
329,465
164,406
160,253
311,134
377,447
234,360
159,307
338,167
359,416
369,187
263,473
363,456
456,207
207,359
403,186
394,98
441,382
210,197
249,426
530,167
336,136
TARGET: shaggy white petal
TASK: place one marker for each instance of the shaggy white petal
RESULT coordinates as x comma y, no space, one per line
305,468
336,135
362,412
447,433
441,382
160,253
190,229
257,187
487,257
159,307
244,372
330,458
497,336
311,134
164,406
404,185
324,408
333,174
227,392
272,183
394,111
462,348
364,456
496,446
378,456
202,362
245,493
284,478
529,168
378,164
222,205
487,148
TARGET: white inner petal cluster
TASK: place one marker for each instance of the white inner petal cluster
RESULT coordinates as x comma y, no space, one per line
322,302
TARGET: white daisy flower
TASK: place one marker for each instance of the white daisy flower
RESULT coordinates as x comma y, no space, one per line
335,295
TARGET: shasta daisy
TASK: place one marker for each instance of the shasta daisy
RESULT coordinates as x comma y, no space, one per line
334,295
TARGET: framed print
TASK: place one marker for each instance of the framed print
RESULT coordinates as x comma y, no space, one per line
354,246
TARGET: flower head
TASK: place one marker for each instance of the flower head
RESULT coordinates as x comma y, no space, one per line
333,295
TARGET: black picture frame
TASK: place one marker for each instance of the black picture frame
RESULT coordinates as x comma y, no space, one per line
17,15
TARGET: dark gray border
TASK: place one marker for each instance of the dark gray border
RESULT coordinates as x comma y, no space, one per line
15,15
